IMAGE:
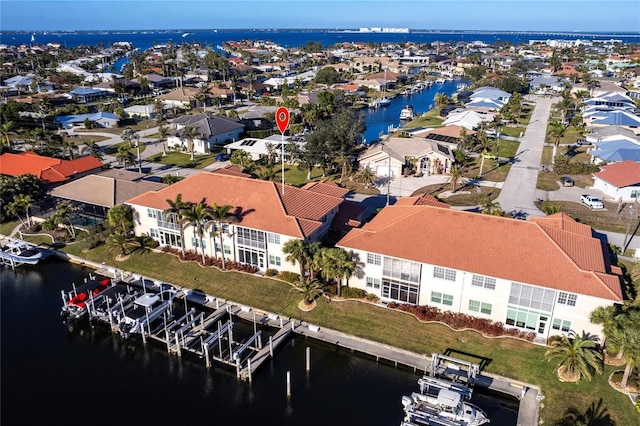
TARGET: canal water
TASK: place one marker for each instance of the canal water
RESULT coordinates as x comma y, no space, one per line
379,120
78,375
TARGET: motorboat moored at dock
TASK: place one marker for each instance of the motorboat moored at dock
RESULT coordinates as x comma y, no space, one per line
74,302
17,252
407,113
447,408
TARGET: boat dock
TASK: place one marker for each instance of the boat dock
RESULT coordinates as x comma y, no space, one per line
211,337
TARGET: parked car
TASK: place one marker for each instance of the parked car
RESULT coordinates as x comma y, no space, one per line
222,157
583,142
490,156
591,201
566,181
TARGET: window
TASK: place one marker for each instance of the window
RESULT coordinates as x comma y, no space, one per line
274,260
561,325
635,193
441,298
152,213
481,307
374,259
399,291
273,238
403,270
524,318
153,233
567,298
195,242
532,297
373,282
482,281
251,237
444,273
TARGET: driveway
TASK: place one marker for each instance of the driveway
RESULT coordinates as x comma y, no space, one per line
519,189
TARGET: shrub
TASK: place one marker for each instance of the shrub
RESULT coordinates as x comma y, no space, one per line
290,277
372,297
270,273
638,403
353,293
459,321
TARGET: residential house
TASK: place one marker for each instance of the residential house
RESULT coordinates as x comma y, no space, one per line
210,130
53,170
615,150
182,97
610,101
273,146
620,181
394,155
544,83
486,266
83,95
468,119
99,119
146,112
266,215
96,193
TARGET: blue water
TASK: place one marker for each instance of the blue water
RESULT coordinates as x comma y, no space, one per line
378,120
290,38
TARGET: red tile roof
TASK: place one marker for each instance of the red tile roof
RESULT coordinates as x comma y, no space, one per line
554,253
327,187
624,173
422,200
53,170
259,203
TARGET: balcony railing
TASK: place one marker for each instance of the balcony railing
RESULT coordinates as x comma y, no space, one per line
167,225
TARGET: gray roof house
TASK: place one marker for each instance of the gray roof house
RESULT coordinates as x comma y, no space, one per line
211,130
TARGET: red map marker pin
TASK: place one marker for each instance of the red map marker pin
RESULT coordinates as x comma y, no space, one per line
282,119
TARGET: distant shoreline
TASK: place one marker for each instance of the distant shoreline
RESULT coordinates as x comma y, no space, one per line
327,30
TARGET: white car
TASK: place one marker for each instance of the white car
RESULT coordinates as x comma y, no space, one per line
591,201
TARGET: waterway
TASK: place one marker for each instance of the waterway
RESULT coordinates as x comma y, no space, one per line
81,375
380,120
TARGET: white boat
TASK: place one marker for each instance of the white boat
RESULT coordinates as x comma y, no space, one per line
440,80
407,113
383,102
448,408
17,252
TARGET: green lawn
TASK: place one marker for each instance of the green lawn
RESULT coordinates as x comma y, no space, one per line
182,159
113,149
507,357
508,148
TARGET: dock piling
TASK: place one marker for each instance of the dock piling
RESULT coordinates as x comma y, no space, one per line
308,359
288,384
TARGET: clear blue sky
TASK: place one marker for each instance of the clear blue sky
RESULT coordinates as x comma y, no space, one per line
511,15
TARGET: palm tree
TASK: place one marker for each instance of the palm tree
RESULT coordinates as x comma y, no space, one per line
577,356
197,215
441,100
221,214
119,241
163,131
366,177
21,203
455,174
174,211
623,338
190,133
121,216
556,132
311,289
343,265
94,149
296,251
242,159
7,130
124,156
